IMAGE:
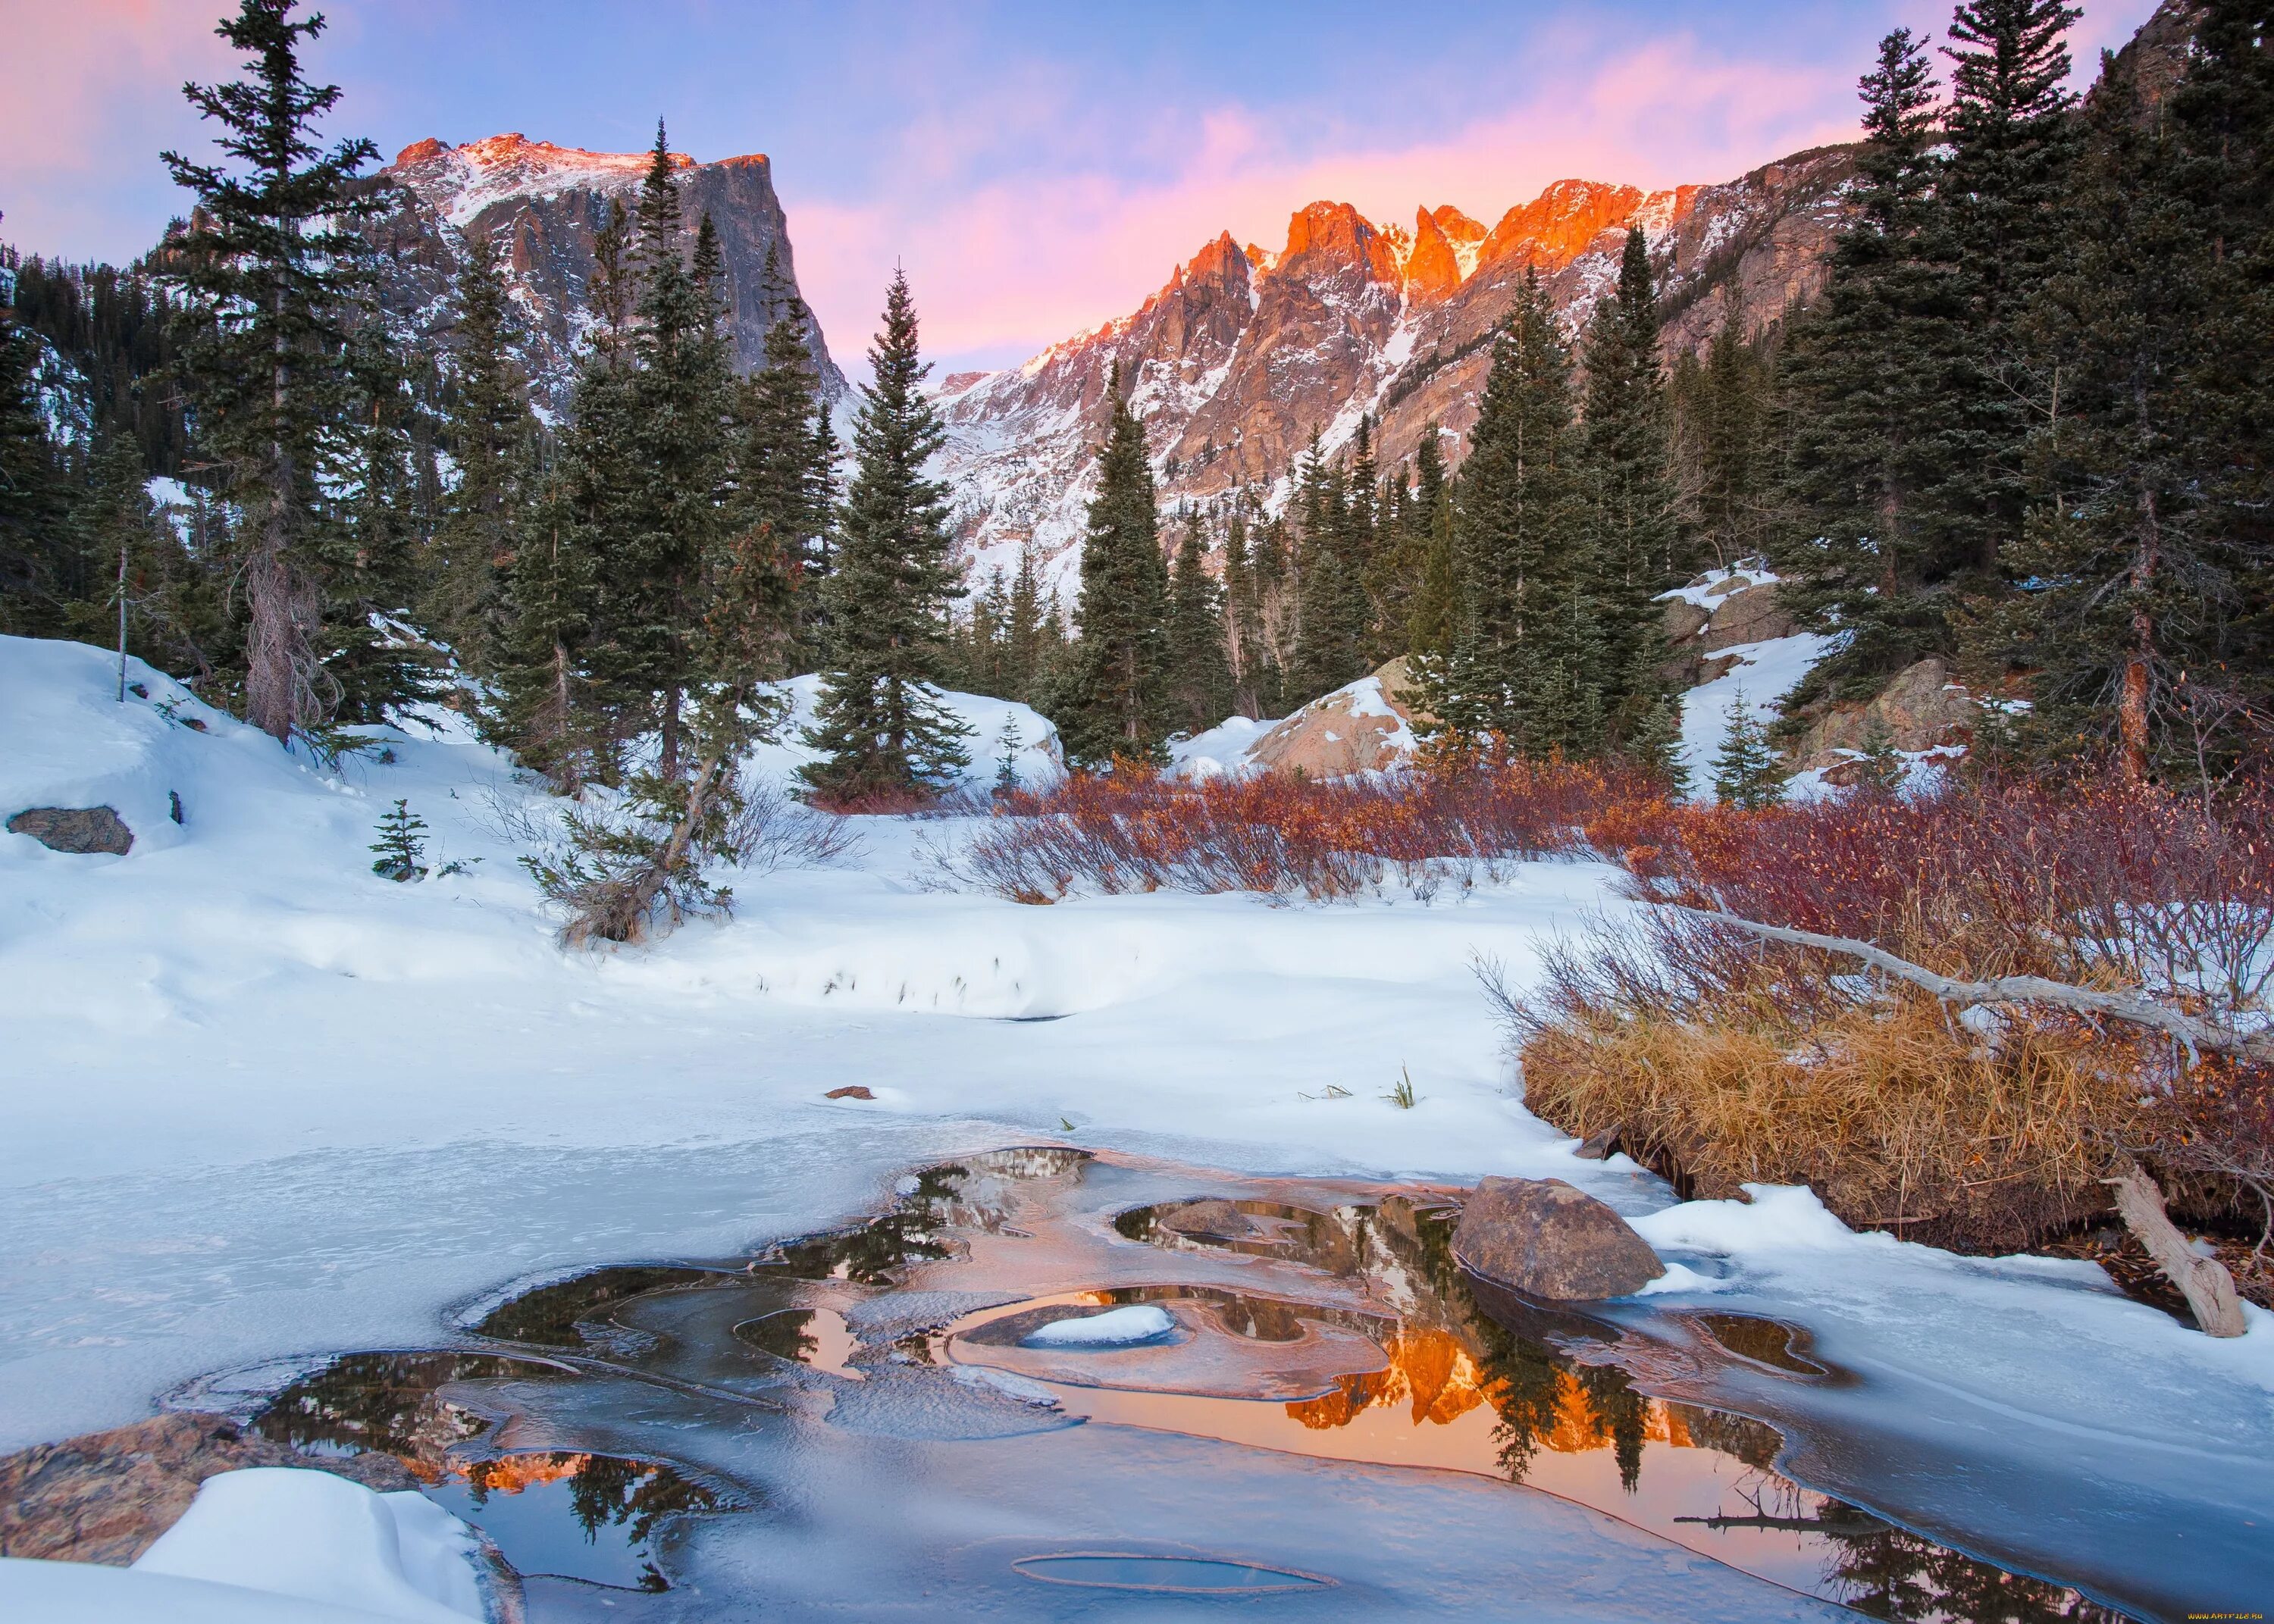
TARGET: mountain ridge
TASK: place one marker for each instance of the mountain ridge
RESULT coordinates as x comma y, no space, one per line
1243,353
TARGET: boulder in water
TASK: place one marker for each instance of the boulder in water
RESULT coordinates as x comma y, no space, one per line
1545,1238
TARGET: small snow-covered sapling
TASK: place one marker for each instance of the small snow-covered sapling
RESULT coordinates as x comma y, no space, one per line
401,844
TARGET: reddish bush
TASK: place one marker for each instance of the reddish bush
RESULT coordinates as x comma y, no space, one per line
1286,836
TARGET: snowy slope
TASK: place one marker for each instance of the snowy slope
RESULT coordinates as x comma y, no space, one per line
258,1103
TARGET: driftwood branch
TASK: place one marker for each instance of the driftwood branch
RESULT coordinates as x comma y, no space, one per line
2197,1035
2203,1282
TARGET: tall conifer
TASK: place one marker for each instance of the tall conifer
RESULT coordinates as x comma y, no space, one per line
274,270
1118,701
1199,678
884,733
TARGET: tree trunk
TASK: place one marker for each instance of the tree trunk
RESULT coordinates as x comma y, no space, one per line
2203,1282
2132,707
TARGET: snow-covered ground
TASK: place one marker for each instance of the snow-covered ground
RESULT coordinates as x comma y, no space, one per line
258,1102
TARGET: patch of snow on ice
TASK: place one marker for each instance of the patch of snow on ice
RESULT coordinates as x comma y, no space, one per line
1117,1328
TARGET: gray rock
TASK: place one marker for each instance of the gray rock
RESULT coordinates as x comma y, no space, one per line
78,829
1548,1240
107,1496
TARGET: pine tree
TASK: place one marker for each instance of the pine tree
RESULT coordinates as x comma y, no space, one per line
1199,677
2133,578
1434,616
678,466
368,558
1865,401
273,270
1117,704
34,496
884,733
2012,139
1518,670
1629,492
1723,409
1332,615
786,472
401,846
544,710
490,427
1744,768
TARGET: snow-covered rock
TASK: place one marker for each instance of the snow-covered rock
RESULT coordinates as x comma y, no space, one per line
272,1544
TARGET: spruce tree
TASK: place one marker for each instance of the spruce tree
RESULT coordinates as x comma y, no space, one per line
680,405
1744,768
1331,617
2012,139
1199,678
273,270
882,730
1521,555
490,428
2129,580
785,471
1630,491
1117,702
1866,401
34,496
1434,616
368,557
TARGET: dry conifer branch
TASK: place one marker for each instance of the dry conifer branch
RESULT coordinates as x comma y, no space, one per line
2196,1034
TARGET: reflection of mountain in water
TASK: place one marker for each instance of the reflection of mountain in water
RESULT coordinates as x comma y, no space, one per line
1316,1320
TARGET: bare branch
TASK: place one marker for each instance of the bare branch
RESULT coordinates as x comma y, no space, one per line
2196,1033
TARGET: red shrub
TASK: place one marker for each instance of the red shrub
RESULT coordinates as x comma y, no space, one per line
1286,836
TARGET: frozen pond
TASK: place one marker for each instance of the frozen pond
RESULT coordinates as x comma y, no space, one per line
1045,1381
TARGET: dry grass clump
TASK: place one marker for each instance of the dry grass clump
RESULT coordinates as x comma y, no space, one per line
1725,1058
1770,1069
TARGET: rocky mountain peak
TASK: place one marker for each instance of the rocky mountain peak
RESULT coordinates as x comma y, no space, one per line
1326,240
546,204
1556,226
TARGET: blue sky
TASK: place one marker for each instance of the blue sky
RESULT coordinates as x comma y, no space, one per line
1037,167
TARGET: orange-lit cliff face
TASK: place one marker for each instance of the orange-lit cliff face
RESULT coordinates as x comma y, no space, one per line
1243,355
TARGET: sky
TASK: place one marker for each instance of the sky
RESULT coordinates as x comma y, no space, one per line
1035,168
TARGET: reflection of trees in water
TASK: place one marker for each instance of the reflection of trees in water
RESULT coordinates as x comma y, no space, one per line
1890,1573
782,1333
910,1233
1543,1398
383,1402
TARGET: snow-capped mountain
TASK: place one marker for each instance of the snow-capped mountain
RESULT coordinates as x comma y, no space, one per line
1245,353
548,201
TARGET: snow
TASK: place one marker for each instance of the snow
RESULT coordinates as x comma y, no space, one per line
1764,674
1117,1328
1220,752
260,1104
273,1543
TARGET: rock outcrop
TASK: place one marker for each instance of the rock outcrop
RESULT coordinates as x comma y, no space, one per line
1245,353
106,1496
1921,709
81,830
1720,610
545,203
1363,728
1546,1240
